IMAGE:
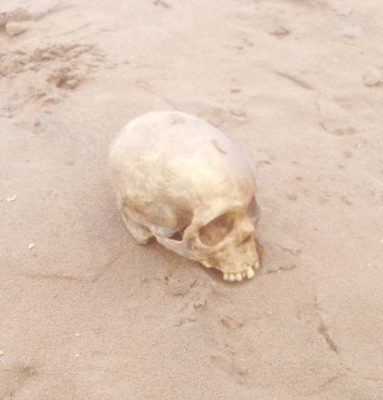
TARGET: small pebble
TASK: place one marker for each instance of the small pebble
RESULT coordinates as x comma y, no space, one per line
77,334
14,28
279,32
11,198
1,353
161,3
373,77
77,355
351,31
31,246
291,196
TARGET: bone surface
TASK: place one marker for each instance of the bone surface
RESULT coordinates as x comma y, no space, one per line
182,181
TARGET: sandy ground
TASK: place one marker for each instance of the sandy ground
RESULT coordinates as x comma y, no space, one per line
85,312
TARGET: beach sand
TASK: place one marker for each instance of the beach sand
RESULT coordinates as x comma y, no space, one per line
85,312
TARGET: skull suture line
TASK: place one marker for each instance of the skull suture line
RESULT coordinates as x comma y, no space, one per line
182,181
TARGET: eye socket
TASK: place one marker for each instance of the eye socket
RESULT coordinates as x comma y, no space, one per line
212,233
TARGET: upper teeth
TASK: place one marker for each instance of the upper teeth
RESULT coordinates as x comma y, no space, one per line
249,273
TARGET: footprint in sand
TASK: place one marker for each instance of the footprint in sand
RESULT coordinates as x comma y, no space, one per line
231,353
335,119
14,379
44,73
224,118
284,256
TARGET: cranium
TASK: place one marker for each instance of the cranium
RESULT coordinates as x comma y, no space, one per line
182,181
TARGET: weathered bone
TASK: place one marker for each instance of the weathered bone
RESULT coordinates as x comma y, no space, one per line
182,181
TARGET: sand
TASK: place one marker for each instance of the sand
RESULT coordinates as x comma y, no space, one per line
85,312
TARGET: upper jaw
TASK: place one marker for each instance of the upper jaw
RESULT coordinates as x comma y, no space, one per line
248,273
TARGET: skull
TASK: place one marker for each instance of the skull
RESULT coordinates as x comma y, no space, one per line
182,181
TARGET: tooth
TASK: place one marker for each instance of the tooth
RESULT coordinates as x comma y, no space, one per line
250,272
257,265
231,277
225,276
238,276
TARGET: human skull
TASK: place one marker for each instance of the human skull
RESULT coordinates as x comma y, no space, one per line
182,181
